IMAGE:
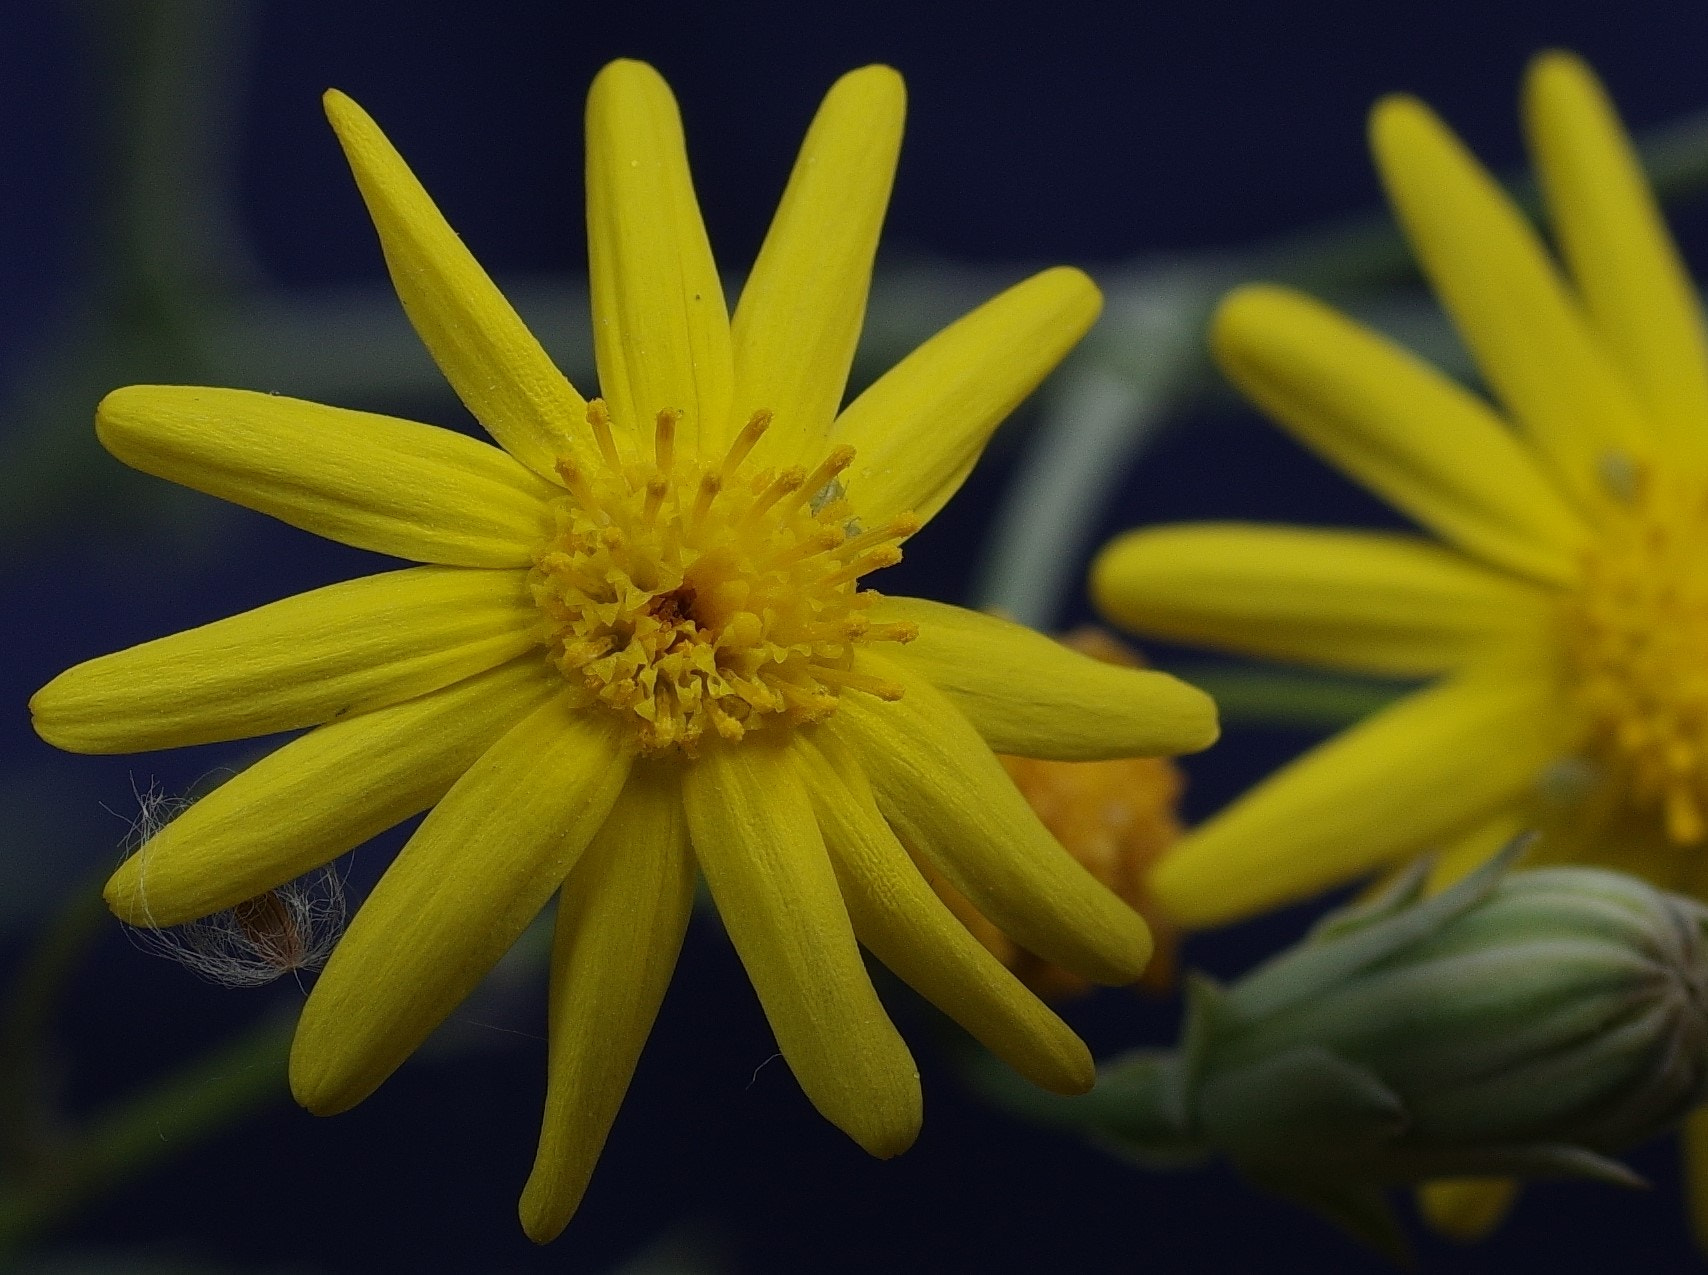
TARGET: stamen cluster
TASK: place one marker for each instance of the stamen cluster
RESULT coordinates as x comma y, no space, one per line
689,597
1638,642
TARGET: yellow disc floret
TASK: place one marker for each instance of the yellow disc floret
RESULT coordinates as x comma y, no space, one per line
690,597
1638,641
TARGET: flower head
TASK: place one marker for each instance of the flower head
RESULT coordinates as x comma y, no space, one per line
1561,607
639,648
1562,603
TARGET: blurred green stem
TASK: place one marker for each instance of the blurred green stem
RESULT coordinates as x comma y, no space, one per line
174,67
25,1126
200,1100
167,255
1287,698
1110,417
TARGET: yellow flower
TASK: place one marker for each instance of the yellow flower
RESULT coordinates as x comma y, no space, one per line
639,649
1562,608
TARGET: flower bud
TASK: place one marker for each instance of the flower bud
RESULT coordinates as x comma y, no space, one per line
1528,1025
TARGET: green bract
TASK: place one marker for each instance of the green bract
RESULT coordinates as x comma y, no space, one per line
1528,1025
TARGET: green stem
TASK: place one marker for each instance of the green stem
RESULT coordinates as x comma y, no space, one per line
26,1017
203,1099
1368,251
173,65
1279,697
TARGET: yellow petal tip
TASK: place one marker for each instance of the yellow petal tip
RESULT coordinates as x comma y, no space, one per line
46,710
877,80
1117,581
1205,720
1466,1209
1400,121
119,414
315,1084
341,109
888,1140
623,73
1560,67
1184,894
1128,958
357,133
544,1217
1073,1071
1247,313
1075,286
123,895
1081,1084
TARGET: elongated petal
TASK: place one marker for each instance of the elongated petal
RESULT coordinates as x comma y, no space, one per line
490,358
479,868
919,429
370,481
1432,448
1365,601
1033,697
660,327
620,923
909,929
1633,284
307,803
1399,783
305,660
1527,334
800,311
759,846
943,791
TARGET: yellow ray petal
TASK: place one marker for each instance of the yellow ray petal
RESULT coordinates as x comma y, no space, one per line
1695,1147
920,428
1365,601
620,922
490,358
1422,771
800,311
308,659
1432,448
759,846
1466,1209
1491,272
479,868
660,328
1633,284
943,791
307,803
1033,697
370,481
909,929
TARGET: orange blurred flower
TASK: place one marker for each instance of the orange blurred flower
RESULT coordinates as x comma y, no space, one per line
1116,817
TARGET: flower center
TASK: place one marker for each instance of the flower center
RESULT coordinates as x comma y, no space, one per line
688,597
1638,646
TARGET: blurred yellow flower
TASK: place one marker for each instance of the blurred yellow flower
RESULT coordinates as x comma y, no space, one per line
639,649
1117,817
1562,607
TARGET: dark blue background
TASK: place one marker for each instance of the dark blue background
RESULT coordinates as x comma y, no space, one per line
1077,132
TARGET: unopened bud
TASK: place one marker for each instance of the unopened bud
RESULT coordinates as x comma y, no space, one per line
1523,1025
